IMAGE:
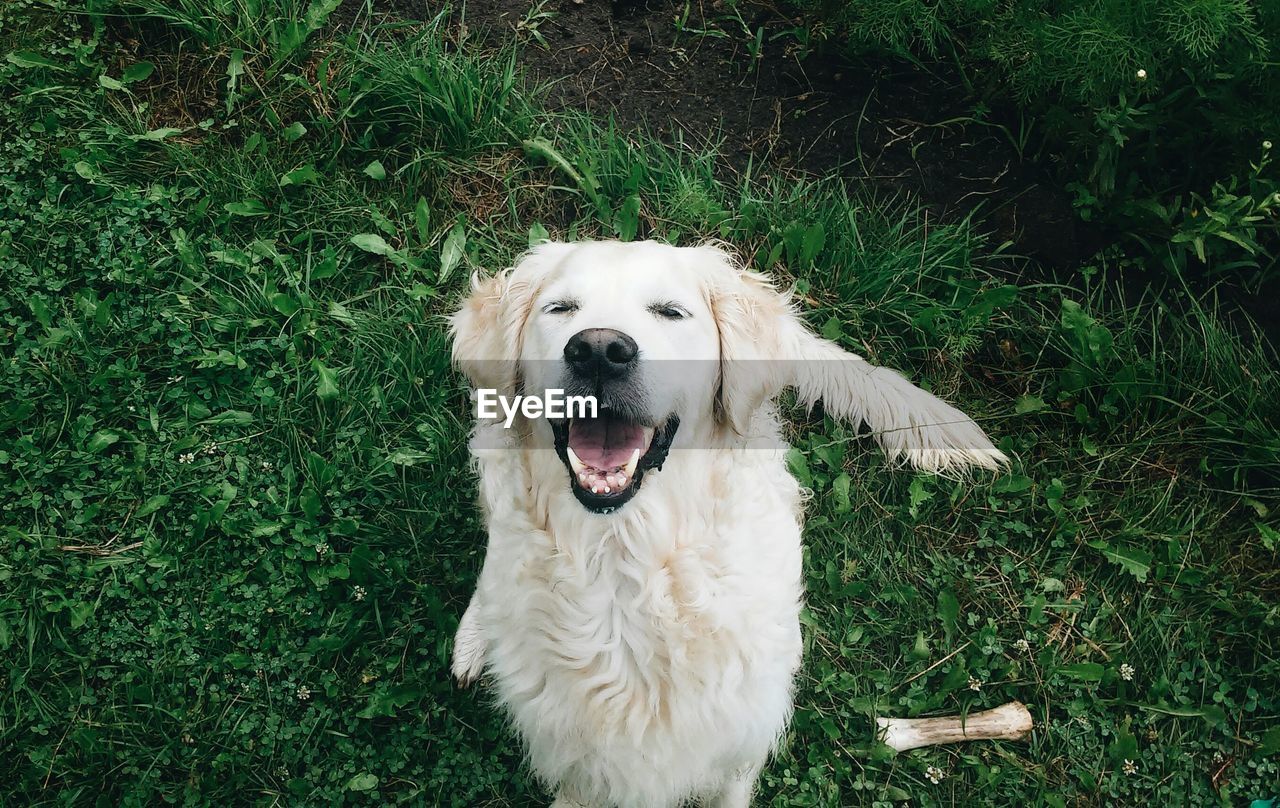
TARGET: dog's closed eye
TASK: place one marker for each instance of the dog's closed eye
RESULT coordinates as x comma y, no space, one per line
670,311
560,307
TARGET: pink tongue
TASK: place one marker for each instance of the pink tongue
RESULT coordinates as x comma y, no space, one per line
605,443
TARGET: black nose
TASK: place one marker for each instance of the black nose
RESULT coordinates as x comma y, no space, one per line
600,352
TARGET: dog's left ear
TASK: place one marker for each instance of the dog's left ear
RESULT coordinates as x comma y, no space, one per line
488,330
765,347
751,317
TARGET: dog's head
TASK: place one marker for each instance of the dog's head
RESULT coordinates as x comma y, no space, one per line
630,325
672,343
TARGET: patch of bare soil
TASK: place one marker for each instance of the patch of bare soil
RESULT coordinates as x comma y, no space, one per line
899,126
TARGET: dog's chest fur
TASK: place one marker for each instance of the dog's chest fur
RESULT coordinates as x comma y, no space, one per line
631,651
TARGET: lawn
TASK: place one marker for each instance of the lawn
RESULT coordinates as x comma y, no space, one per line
236,521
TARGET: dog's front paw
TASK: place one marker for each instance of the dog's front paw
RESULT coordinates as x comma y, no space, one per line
468,649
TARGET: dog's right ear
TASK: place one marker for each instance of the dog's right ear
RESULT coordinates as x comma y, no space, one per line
488,330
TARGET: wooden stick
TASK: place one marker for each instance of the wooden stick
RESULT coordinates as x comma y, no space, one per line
1010,722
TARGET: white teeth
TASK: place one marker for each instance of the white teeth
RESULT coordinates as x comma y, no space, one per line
606,490
577,464
630,469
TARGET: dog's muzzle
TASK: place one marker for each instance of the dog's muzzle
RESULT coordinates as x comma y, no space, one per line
608,455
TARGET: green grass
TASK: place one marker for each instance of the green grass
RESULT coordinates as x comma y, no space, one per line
236,529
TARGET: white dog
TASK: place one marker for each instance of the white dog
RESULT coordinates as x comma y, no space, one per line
638,608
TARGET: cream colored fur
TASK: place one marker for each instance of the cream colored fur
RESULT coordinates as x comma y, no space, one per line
646,656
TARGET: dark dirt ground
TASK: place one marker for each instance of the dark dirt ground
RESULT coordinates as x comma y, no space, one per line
899,127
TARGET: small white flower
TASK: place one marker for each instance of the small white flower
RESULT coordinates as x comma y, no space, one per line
212,448
132,408
1023,646
1127,671
174,379
267,465
322,549
188,458
934,774
358,592
187,739
1142,74
1130,768
1266,145
975,684
304,693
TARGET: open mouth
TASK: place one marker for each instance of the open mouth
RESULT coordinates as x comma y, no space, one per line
608,456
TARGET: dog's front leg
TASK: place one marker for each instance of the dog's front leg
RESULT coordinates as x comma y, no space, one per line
737,791
469,645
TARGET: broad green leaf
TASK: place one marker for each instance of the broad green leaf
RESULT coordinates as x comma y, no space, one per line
376,171
341,313
1124,747
815,238
229,418
1027,404
628,221
1083,671
235,69
326,381
408,457
299,176
840,488
309,501
1135,562
294,131
1270,536
30,59
1270,742
283,303
363,782
327,267
451,253
948,612
318,12
152,505
40,309
373,243
422,220
109,83
538,234
137,72
157,134
87,171
918,494
101,440
1211,713
246,207
920,648
798,463
383,223
1011,484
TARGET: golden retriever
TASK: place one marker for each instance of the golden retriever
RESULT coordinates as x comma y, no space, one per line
638,611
